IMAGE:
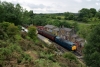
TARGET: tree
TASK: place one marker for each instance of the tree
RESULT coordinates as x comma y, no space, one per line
93,11
66,24
56,22
69,16
32,32
15,14
66,15
92,48
84,14
25,17
31,15
39,20
98,14
75,25
9,11
1,13
18,14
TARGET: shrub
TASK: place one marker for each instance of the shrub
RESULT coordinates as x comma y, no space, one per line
24,58
4,26
5,53
59,18
12,30
70,56
26,45
3,44
46,63
27,57
18,37
32,32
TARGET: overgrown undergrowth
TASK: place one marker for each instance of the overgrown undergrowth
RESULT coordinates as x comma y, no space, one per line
19,50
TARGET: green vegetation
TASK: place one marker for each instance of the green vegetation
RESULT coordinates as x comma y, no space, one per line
81,21
70,56
19,48
92,51
15,14
32,32
10,49
46,63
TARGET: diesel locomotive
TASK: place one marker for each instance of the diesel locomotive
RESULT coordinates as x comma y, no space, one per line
62,42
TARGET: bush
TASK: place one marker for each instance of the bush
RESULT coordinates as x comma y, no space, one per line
32,32
48,56
46,63
4,26
25,44
26,57
12,30
3,44
18,37
59,18
70,56
5,53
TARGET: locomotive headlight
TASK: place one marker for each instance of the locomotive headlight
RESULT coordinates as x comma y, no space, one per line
73,47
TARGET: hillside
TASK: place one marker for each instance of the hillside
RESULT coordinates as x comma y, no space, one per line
18,49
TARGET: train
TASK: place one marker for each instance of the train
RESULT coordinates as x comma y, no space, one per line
62,42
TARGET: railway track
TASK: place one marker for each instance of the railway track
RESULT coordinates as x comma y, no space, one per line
63,50
78,55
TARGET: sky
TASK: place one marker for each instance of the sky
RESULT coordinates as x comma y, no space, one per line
56,6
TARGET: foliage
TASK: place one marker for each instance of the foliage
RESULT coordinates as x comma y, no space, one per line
98,15
69,16
4,26
84,29
32,32
39,20
13,44
18,15
24,58
47,55
56,23
12,30
85,15
92,51
8,30
75,25
93,12
8,52
46,63
25,44
18,50
10,49
15,14
59,18
70,56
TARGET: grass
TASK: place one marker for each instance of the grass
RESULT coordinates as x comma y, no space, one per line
46,63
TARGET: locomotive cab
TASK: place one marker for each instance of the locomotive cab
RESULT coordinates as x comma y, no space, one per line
73,48
65,43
